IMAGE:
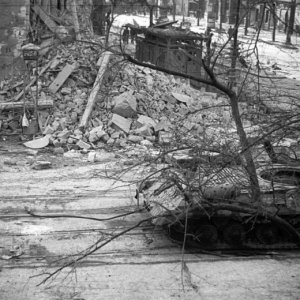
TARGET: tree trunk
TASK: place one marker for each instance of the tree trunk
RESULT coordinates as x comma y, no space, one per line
220,14
247,23
75,20
174,10
151,15
198,13
246,151
290,28
274,23
235,44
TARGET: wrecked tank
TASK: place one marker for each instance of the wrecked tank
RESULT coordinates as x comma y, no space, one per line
215,209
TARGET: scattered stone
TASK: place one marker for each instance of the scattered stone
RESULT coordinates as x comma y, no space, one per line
145,120
105,138
96,134
125,105
162,125
110,142
134,138
71,140
10,162
150,138
58,150
38,143
41,165
56,143
72,154
94,156
74,117
183,98
144,131
115,135
66,91
146,143
48,130
83,145
63,134
164,137
56,126
120,123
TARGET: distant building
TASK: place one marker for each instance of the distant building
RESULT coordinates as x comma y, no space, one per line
19,22
14,20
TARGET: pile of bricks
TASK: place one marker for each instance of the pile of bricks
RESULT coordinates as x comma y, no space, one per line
135,105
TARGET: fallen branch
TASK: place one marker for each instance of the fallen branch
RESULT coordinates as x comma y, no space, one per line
80,217
96,246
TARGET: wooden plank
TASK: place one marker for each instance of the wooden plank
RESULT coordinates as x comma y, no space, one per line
47,103
61,78
97,84
45,18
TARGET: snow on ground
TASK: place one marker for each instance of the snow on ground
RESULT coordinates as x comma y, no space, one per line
270,54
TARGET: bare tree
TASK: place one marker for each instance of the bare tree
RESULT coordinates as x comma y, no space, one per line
291,21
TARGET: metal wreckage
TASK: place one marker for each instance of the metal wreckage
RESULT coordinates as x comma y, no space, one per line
212,208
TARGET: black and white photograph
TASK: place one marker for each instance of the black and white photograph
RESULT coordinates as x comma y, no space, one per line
149,149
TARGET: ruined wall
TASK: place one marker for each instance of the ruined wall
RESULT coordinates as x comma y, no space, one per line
14,17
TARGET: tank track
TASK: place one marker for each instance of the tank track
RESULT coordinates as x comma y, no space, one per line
228,234
211,229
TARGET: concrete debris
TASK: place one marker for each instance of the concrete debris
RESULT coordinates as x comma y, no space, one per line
134,138
164,137
41,165
163,125
182,98
83,145
95,156
72,154
96,134
147,143
125,105
145,120
59,150
38,143
144,131
120,123
132,105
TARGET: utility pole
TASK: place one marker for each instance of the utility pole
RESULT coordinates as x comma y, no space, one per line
291,22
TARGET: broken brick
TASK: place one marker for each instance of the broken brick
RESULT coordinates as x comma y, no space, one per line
120,123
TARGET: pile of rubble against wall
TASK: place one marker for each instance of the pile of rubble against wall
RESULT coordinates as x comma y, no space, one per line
135,105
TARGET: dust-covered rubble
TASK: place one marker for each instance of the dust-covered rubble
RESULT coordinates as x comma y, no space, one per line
135,106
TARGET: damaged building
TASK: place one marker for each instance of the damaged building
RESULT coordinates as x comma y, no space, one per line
35,21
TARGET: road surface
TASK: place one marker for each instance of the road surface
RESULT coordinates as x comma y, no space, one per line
143,264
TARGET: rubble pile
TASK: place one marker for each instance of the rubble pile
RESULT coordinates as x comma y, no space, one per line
135,105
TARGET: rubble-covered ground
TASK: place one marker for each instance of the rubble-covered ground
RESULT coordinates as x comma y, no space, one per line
136,107
143,264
